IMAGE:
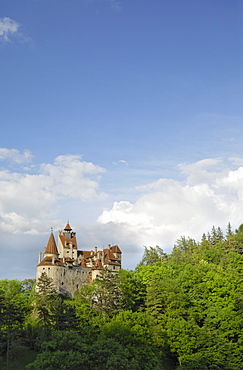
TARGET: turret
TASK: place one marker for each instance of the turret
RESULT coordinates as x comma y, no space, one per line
51,247
67,244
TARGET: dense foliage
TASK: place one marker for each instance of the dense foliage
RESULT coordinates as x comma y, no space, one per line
184,310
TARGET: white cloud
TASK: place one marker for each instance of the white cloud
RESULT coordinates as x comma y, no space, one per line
8,27
121,161
236,160
209,195
28,201
14,155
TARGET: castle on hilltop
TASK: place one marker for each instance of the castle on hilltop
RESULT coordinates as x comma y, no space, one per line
71,268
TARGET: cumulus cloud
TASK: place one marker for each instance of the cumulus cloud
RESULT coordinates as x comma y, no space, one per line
8,28
14,155
209,194
236,160
29,200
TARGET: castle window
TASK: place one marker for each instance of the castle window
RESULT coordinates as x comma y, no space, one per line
77,286
114,267
62,282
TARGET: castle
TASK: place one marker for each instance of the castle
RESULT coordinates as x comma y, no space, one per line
71,268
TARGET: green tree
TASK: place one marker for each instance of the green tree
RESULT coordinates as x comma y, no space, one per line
235,241
134,331
152,255
64,315
11,318
184,249
107,296
65,350
44,300
133,290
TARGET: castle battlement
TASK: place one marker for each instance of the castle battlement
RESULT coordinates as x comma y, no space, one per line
71,268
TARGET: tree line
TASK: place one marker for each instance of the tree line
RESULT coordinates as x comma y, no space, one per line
180,311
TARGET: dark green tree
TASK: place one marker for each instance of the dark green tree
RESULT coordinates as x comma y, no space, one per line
107,295
64,350
11,318
64,315
44,300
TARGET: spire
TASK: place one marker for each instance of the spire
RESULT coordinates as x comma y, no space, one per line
67,227
51,247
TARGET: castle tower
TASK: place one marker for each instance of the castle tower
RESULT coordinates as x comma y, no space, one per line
50,264
51,247
67,244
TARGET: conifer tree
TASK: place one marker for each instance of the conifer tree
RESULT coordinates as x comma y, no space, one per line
107,296
153,255
64,315
44,297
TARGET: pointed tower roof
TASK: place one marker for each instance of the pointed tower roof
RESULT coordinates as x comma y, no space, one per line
51,247
116,249
67,227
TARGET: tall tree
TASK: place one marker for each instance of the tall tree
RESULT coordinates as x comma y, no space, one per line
44,300
64,315
12,319
107,295
152,255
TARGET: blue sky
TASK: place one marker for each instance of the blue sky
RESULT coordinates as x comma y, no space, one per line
123,117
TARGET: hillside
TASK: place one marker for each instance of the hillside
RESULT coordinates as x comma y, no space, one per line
180,311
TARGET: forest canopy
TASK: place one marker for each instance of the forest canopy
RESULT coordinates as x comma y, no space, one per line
180,311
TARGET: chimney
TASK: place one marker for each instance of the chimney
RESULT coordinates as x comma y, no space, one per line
39,257
103,258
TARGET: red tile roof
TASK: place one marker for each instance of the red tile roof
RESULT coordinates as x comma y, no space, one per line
65,241
86,254
67,227
97,265
51,246
113,263
83,263
116,249
47,261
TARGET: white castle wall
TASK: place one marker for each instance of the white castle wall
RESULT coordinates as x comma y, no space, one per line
66,279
